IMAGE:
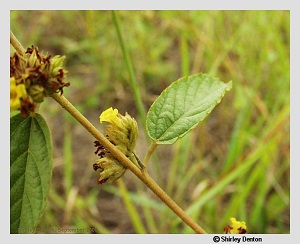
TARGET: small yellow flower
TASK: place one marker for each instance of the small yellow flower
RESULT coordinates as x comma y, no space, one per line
111,116
236,227
16,93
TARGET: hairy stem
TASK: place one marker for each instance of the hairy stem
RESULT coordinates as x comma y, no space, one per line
16,44
141,174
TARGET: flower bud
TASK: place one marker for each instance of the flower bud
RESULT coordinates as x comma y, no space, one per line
33,60
37,93
110,169
57,61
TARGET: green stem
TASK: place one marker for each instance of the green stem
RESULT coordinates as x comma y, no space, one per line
141,174
150,151
133,213
132,80
133,83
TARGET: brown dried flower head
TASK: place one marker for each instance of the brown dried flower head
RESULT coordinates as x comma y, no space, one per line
41,76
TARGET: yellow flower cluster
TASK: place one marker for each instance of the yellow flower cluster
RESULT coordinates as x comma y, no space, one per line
122,131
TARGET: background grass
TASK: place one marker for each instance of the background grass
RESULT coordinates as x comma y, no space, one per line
235,163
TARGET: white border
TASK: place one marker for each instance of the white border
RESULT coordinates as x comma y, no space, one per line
153,4
143,5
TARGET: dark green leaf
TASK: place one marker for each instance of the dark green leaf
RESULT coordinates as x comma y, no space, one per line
30,171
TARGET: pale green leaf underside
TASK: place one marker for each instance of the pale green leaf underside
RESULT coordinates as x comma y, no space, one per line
182,105
30,171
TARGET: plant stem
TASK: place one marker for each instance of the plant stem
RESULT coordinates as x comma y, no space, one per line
16,44
133,83
132,80
21,51
150,151
142,175
132,211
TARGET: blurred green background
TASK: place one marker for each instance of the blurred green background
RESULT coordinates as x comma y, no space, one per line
235,163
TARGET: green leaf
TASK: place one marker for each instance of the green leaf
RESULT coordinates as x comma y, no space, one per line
30,171
182,105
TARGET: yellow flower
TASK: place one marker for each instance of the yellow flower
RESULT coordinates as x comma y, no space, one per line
122,131
236,227
16,93
111,116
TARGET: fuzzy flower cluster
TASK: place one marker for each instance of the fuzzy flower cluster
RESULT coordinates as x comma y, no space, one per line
122,131
33,77
236,227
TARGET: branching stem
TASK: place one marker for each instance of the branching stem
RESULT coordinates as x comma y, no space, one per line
141,174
